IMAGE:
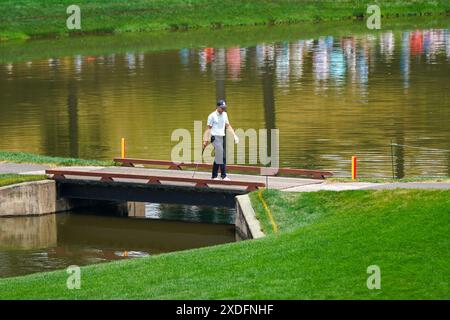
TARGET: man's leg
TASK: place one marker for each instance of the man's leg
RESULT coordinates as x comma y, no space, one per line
223,170
215,170
218,155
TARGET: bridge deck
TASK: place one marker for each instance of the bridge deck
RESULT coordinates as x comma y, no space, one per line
315,174
273,181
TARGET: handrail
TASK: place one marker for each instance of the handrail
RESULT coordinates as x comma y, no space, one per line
316,174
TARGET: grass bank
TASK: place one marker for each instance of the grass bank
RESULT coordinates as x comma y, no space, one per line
43,18
390,180
325,244
9,179
25,157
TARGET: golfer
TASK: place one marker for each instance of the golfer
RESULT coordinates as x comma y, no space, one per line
215,132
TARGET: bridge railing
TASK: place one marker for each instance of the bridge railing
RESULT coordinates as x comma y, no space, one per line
152,179
315,174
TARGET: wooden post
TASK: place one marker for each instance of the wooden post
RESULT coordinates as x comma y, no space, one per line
123,148
354,167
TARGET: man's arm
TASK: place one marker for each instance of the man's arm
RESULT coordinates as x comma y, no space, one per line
229,127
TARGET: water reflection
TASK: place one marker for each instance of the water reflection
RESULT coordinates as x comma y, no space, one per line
331,97
36,244
28,233
405,59
189,213
337,66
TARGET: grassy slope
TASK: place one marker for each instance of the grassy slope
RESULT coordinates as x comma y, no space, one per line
24,18
388,180
405,232
8,179
24,157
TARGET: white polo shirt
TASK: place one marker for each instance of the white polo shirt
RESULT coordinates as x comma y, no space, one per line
218,121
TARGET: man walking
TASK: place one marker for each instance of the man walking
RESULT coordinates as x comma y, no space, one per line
215,132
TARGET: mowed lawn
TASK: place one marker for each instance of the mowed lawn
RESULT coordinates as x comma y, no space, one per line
9,179
326,242
26,157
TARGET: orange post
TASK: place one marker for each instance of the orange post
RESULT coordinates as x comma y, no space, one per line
354,165
123,148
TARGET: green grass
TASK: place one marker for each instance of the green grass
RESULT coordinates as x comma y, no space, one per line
25,157
390,180
44,18
325,244
9,179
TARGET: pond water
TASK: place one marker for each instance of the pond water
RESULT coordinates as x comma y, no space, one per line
331,97
45,243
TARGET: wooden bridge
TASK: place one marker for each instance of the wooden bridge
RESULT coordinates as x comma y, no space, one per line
315,174
173,184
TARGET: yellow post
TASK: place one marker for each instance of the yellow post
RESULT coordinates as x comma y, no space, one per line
123,148
354,164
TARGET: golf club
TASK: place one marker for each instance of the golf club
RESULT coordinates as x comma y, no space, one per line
195,170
